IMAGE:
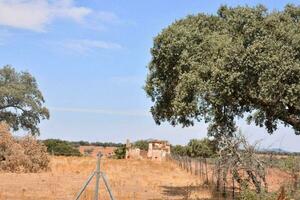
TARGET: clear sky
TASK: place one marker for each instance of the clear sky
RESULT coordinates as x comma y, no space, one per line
90,58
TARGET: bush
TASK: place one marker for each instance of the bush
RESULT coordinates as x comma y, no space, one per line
120,152
202,148
61,148
205,148
21,155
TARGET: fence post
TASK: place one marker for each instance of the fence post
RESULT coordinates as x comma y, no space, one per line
191,167
196,166
233,192
97,176
206,171
186,164
218,176
201,169
213,174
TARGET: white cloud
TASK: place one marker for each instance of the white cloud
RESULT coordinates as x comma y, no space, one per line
36,14
133,113
84,46
107,17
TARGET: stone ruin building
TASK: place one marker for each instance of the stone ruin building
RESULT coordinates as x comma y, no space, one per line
157,150
133,152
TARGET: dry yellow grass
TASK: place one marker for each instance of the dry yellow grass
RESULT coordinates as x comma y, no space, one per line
129,179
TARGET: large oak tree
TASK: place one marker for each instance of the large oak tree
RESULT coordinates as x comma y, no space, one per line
217,68
21,102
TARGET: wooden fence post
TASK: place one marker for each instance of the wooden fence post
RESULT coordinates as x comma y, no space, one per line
206,171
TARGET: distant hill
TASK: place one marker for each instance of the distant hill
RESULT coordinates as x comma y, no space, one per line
276,150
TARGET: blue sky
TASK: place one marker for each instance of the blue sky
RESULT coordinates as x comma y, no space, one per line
90,59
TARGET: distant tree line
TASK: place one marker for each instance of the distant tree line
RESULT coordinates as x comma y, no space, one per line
101,144
274,152
70,148
207,148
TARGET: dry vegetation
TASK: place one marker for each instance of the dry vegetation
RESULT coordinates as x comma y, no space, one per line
134,179
24,154
129,179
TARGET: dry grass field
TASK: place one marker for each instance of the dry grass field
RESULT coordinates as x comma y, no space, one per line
129,179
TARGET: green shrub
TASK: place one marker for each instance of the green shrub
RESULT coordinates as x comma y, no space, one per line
120,152
61,148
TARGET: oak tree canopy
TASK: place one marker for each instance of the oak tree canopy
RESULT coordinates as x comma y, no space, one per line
243,62
21,102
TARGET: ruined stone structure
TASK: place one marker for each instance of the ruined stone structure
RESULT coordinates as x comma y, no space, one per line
132,152
158,150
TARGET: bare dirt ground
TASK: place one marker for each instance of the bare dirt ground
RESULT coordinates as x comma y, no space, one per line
129,179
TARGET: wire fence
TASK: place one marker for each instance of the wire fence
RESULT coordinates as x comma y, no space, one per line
208,171
196,166
223,184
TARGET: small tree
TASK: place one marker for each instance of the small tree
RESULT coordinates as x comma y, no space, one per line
21,102
201,148
120,152
179,150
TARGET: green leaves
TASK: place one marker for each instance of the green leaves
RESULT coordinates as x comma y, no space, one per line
217,68
21,102
61,148
120,152
201,148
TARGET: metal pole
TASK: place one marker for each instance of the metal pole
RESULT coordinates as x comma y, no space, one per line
97,172
107,186
85,185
